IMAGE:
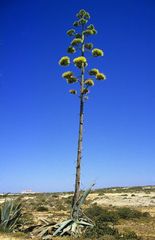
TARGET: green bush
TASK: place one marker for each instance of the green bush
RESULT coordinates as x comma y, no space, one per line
104,221
127,213
98,213
100,229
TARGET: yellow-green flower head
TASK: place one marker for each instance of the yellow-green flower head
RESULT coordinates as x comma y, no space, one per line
100,76
72,91
88,32
71,32
87,15
95,31
64,61
71,49
76,24
97,52
93,71
78,35
81,13
89,82
85,91
88,46
91,27
71,80
76,41
82,21
67,74
80,61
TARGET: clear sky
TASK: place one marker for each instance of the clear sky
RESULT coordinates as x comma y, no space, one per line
39,118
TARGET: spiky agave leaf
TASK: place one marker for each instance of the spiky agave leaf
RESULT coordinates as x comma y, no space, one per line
84,195
62,226
10,215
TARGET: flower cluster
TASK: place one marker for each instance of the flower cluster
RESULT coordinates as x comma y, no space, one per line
93,71
69,77
97,52
88,32
71,32
78,35
71,80
71,49
100,76
76,41
80,62
91,27
82,21
85,91
88,46
64,61
83,18
72,91
67,74
83,14
89,82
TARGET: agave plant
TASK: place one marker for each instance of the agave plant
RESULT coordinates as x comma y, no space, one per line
10,215
73,226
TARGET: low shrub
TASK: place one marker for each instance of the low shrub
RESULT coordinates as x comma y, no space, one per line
127,213
129,236
42,209
98,213
100,229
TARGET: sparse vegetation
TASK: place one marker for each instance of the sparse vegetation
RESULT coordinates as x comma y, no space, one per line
111,222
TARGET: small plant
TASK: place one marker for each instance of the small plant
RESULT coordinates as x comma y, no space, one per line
10,216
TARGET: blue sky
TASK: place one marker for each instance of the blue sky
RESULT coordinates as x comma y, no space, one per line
39,118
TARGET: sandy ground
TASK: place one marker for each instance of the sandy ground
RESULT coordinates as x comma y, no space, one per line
124,199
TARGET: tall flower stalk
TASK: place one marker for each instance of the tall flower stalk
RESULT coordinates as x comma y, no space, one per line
80,45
